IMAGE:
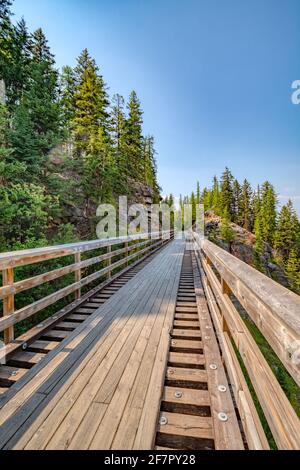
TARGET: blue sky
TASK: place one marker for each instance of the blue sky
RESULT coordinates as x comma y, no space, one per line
214,78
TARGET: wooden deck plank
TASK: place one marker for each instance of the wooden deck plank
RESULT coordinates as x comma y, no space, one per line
95,357
110,375
128,426
87,334
227,434
187,425
62,361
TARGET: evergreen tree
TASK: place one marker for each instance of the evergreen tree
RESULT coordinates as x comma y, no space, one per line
67,97
226,197
216,195
198,194
237,199
286,233
293,270
150,168
98,168
5,11
268,212
134,138
227,233
193,203
246,209
91,103
118,137
40,50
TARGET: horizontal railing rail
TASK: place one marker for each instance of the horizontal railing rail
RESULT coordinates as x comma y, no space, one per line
133,248
275,311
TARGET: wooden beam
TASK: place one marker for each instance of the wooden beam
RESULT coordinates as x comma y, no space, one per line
78,275
8,304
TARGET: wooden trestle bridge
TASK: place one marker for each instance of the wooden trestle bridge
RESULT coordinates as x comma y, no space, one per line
156,355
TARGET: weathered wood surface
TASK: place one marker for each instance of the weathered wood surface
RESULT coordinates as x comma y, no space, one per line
36,255
227,434
277,319
274,309
92,391
9,320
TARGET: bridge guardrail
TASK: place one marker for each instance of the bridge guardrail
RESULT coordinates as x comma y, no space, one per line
133,248
275,311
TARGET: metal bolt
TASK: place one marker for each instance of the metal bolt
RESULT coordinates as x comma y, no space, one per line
213,366
163,421
24,346
208,327
222,388
223,417
207,337
170,372
14,373
174,343
178,394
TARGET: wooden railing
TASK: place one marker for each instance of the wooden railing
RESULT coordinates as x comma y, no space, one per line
229,284
132,249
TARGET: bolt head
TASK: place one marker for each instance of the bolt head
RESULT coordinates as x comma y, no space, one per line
213,366
222,388
223,417
178,394
163,421
24,346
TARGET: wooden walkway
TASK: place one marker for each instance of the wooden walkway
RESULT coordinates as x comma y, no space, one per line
96,389
146,360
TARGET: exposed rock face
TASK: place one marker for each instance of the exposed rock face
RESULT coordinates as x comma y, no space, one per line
79,210
243,247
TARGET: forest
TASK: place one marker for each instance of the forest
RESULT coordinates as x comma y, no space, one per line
256,211
65,144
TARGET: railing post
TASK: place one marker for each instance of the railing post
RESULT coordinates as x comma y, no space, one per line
126,252
8,303
78,275
225,291
109,262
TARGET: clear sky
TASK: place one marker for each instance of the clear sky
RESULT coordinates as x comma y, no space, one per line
214,78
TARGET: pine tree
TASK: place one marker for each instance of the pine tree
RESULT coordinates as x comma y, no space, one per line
91,103
198,194
134,138
5,11
227,233
237,197
286,233
150,167
67,97
268,212
226,197
118,137
216,195
14,55
40,49
293,270
246,206
193,203
98,168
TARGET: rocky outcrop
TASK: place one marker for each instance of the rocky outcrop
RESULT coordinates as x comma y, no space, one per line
243,247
